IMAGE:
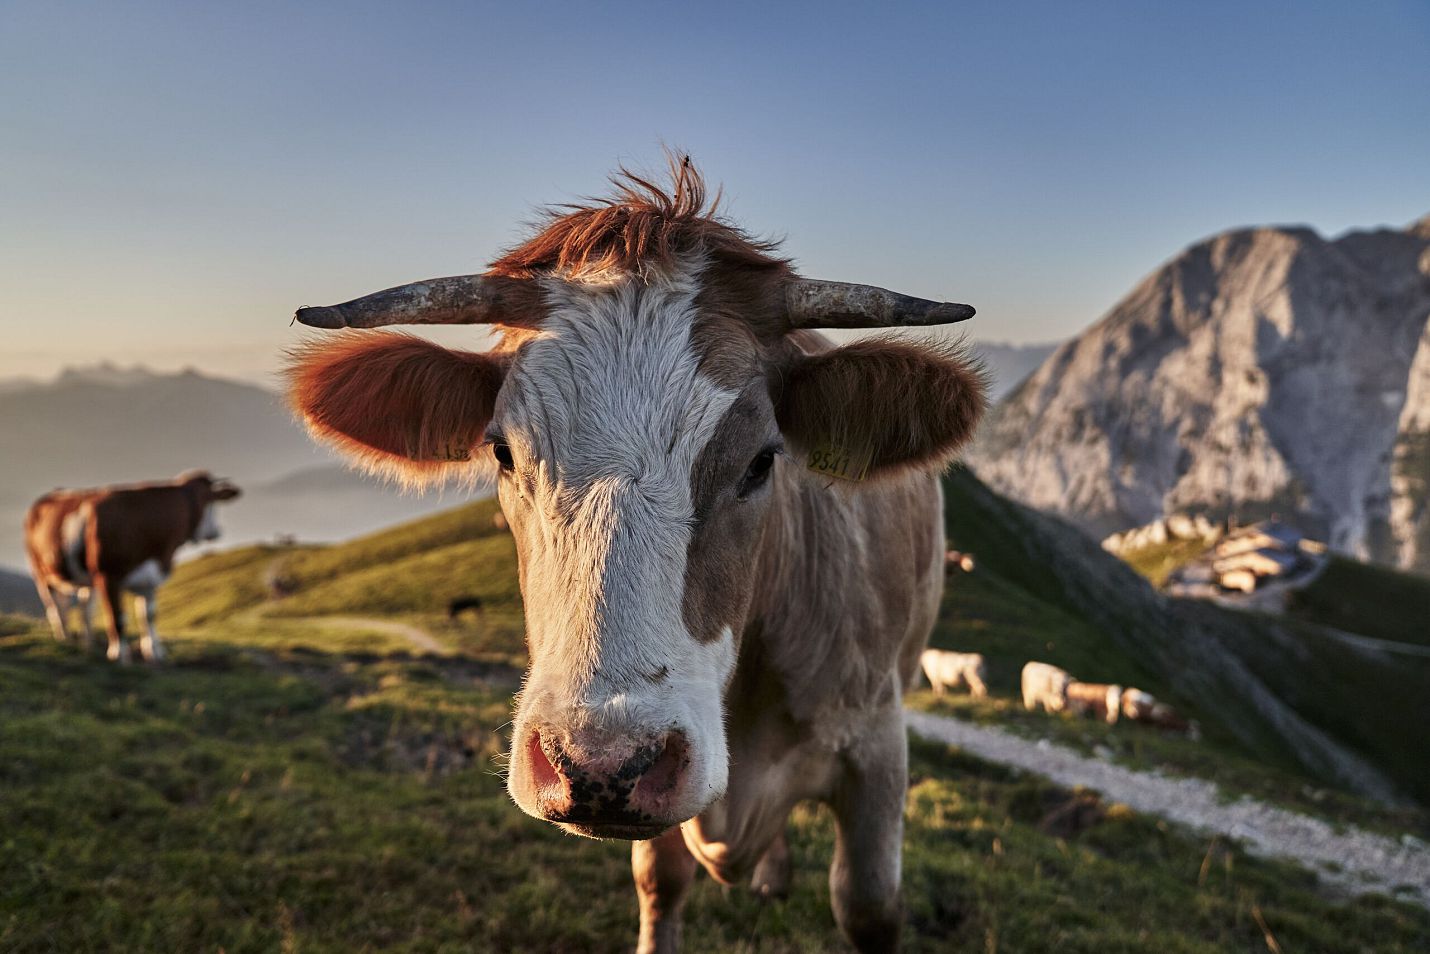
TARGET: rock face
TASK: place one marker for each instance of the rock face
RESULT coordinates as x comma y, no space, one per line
1264,371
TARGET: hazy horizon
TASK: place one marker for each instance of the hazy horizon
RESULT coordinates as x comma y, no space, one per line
179,178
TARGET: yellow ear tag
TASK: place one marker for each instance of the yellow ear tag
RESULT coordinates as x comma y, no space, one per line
836,460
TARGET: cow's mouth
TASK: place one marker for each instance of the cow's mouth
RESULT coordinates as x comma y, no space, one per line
619,831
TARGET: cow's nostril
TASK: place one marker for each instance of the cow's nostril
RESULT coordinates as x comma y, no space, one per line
544,777
662,778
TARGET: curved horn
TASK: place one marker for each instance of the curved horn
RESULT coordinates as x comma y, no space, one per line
810,303
459,300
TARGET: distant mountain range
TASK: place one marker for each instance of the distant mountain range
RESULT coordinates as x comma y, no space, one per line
1261,371
105,424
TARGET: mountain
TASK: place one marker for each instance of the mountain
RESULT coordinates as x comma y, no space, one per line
1262,371
1008,364
105,424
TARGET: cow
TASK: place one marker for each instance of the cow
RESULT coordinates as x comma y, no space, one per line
1163,716
1095,698
947,670
1137,705
728,530
112,540
1045,687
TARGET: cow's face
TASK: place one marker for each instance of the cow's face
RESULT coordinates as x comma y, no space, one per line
634,468
639,450
206,491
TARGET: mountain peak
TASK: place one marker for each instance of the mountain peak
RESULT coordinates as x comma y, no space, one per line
107,373
1262,370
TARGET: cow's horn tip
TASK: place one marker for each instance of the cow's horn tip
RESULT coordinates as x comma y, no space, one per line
320,318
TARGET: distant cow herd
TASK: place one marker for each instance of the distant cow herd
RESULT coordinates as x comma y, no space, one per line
1053,689
1047,687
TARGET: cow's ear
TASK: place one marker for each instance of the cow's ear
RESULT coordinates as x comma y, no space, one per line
397,405
879,407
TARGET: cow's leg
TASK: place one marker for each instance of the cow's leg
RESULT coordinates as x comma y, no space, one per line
83,597
663,869
976,686
111,599
54,611
149,645
868,804
772,875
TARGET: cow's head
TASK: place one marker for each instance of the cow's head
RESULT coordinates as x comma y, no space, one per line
204,491
652,403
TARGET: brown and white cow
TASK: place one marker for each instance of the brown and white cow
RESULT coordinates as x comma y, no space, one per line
718,625
112,540
1098,699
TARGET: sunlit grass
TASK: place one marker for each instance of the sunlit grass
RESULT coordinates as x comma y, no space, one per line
252,801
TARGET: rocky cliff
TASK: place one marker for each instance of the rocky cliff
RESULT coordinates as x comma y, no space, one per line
1263,371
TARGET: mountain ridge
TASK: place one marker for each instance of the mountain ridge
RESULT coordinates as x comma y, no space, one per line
1263,370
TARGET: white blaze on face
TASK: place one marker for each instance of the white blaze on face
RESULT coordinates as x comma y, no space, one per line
208,525
606,413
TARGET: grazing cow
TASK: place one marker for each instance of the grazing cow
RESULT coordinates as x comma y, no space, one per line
1137,705
728,531
946,670
116,539
1095,698
1045,686
1141,707
1163,716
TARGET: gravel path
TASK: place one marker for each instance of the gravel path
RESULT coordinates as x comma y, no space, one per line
1350,859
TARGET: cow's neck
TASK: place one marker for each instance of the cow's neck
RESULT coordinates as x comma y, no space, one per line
811,623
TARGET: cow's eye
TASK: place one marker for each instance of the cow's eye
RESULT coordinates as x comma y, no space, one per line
758,472
501,450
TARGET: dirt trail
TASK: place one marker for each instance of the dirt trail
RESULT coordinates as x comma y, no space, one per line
419,638
1351,859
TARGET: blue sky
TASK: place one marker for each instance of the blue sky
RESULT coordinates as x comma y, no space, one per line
175,178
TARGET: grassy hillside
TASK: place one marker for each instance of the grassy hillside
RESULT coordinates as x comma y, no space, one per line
1041,591
299,779
1368,599
246,800
407,573
1285,692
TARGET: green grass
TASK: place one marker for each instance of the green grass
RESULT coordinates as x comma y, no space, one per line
246,800
987,613
1368,599
1157,562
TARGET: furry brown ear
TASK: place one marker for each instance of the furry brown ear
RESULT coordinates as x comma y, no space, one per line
879,407
398,405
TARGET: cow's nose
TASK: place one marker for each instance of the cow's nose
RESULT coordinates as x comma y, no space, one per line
606,782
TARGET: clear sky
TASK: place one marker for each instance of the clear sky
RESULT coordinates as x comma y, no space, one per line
175,178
